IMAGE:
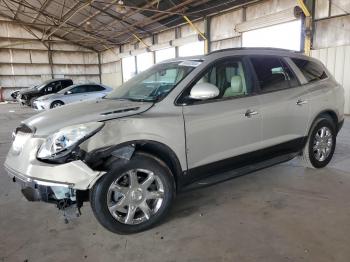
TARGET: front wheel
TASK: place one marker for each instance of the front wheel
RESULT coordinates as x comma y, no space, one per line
56,104
321,142
134,195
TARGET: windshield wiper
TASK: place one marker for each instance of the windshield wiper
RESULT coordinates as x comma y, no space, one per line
138,99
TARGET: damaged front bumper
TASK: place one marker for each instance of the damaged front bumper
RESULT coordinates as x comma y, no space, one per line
52,183
40,190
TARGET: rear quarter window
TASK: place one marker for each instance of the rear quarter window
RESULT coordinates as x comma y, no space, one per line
311,70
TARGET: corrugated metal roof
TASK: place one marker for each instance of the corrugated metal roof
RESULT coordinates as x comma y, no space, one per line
101,24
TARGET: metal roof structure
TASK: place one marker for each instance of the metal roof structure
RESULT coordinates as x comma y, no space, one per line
102,24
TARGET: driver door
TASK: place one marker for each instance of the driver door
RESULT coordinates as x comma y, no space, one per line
219,129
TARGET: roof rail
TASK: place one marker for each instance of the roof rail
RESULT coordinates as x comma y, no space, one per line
254,48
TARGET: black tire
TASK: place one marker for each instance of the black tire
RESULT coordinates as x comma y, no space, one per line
98,194
55,104
308,154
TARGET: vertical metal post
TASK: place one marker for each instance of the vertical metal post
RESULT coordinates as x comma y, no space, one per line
308,27
177,35
203,36
50,59
207,42
99,66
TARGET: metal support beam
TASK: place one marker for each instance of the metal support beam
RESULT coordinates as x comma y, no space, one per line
50,59
155,18
99,40
99,67
69,15
128,14
43,7
18,8
196,29
207,46
307,26
92,16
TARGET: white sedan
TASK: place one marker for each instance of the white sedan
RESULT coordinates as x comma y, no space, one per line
71,94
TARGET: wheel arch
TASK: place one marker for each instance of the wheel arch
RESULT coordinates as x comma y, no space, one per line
101,158
57,100
329,113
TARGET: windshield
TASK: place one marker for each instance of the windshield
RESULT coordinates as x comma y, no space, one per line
43,84
154,83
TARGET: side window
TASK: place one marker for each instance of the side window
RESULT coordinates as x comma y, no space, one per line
273,73
78,90
57,86
94,88
66,83
50,88
311,70
230,77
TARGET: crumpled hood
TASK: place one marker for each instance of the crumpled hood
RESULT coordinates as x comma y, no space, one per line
100,110
29,91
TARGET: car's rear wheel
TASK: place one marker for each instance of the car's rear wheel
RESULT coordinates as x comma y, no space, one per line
55,104
321,143
134,195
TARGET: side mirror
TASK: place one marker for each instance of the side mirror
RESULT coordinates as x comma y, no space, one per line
203,91
68,92
49,89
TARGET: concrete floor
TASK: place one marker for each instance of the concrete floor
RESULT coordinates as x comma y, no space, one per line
283,213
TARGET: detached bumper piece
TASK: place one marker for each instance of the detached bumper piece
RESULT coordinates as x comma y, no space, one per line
50,193
63,197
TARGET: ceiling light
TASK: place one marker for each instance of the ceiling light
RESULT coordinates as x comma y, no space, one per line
88,26
120,8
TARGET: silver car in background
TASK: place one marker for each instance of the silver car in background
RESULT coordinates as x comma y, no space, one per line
71,94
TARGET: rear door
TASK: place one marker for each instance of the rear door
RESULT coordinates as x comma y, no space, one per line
227,126
75,94
94,92
284,103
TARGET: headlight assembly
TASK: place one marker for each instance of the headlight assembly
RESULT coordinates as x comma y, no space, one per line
62,142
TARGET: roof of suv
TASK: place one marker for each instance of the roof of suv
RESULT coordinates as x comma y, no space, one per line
246,50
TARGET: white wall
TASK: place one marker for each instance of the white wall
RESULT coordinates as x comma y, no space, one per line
111,68
337,60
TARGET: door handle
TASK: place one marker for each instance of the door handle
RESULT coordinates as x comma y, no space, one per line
250,113
301,102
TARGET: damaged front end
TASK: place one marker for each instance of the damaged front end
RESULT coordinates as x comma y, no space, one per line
67,199
63,184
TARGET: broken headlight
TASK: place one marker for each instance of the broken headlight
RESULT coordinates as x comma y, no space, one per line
66,139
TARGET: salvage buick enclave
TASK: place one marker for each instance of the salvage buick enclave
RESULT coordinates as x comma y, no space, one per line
182,123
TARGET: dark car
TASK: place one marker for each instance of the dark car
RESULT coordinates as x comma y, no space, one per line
28,95
14,94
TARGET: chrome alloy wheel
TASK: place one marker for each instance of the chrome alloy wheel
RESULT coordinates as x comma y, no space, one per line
135,196
323,143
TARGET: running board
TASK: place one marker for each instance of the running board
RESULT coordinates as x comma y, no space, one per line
222,177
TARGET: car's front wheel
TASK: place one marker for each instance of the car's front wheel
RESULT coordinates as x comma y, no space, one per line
56,104
134,195
321,142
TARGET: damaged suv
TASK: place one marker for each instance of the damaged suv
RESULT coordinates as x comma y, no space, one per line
181,124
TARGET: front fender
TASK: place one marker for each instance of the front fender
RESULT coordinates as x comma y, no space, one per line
166,130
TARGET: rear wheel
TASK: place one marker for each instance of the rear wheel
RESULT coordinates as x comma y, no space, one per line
55,104
134,195
321,143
